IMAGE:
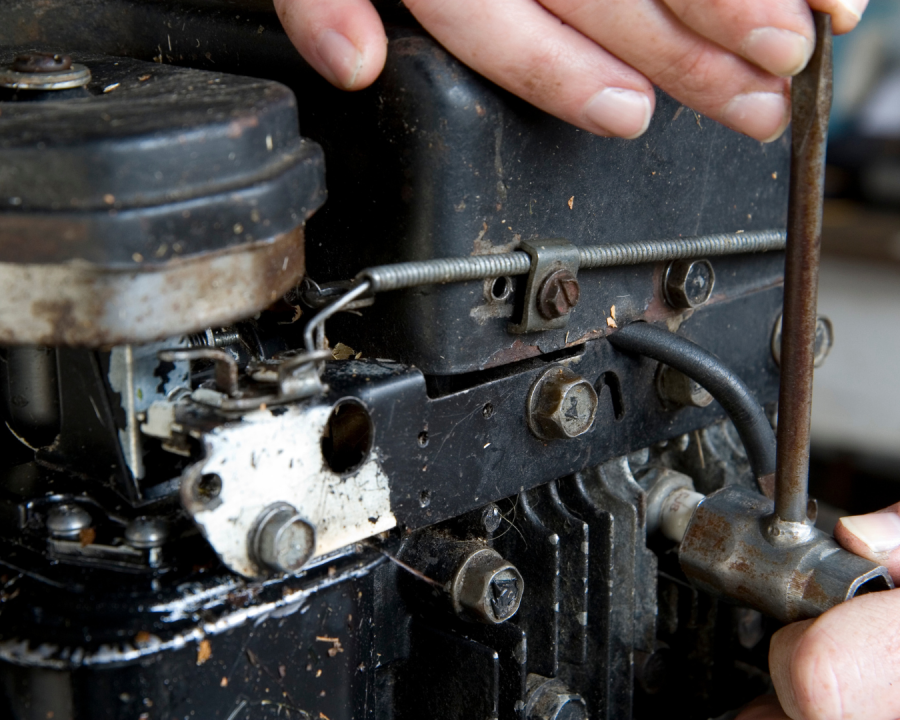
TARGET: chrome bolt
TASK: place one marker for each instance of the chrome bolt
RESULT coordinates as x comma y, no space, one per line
486,588
689,283
561,404
147,532
282,541
67,521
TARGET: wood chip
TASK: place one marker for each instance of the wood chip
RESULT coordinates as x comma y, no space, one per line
571,202
611,322
204,652
342,352
86,536
224,682
612,312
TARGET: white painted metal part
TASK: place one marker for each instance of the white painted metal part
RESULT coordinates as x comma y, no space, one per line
270,457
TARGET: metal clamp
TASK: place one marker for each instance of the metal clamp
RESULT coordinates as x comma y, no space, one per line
552,291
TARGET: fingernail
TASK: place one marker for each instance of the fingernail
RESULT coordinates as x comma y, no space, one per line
880,532
620,112
760,115
857,7
340,56
781,52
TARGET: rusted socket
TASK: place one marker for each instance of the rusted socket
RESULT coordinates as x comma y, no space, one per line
677,390
729,553
558,294
41,62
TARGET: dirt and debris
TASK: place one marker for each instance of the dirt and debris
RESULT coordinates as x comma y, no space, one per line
335,645
223,682
571,202
86,536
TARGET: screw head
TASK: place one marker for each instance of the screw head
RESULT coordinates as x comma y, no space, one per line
491,518
41,62
67,521
486,588
282,540
558,294
689,283
147,532
561,405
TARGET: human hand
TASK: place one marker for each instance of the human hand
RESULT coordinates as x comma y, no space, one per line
592,62
844,664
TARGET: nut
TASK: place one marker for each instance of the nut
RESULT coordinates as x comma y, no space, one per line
823,344
689,283
550,699
282,541
486,588
561,405
677,390
558,294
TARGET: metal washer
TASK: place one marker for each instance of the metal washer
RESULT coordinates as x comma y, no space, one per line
75,77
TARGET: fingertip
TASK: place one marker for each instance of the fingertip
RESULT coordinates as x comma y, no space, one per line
845,14
620,112
344,40
763,116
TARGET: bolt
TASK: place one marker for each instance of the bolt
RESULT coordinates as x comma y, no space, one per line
561,405
282,541
823,343
41,62
558,294
689,283
678,390
550,699
147,532
491,518
486,588
67,521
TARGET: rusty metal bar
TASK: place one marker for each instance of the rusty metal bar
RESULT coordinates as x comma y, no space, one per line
811,101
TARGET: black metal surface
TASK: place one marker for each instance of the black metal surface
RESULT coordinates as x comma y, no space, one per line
155,163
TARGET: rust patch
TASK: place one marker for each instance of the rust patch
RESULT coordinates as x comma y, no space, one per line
515,352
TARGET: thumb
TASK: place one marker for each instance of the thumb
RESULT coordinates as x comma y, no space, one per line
875,536
343,40
843,665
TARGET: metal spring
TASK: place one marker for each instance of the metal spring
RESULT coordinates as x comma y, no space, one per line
481,267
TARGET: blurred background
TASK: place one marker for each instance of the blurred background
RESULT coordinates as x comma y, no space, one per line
856,409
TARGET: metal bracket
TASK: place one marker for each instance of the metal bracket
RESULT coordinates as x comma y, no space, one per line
552,290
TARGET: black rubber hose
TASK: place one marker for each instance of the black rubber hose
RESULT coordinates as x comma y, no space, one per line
707,370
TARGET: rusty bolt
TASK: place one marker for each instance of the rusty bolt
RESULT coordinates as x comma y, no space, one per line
561,404
41,62
689,283
677,390
558,295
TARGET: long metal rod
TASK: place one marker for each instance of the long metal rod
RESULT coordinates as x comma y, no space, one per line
811,103
482,267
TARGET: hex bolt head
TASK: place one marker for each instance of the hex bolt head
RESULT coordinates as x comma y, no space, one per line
677,390
558,294
41,62
486,588
550,699
689,283
282,541
147,532
823,344
561,405
66,522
